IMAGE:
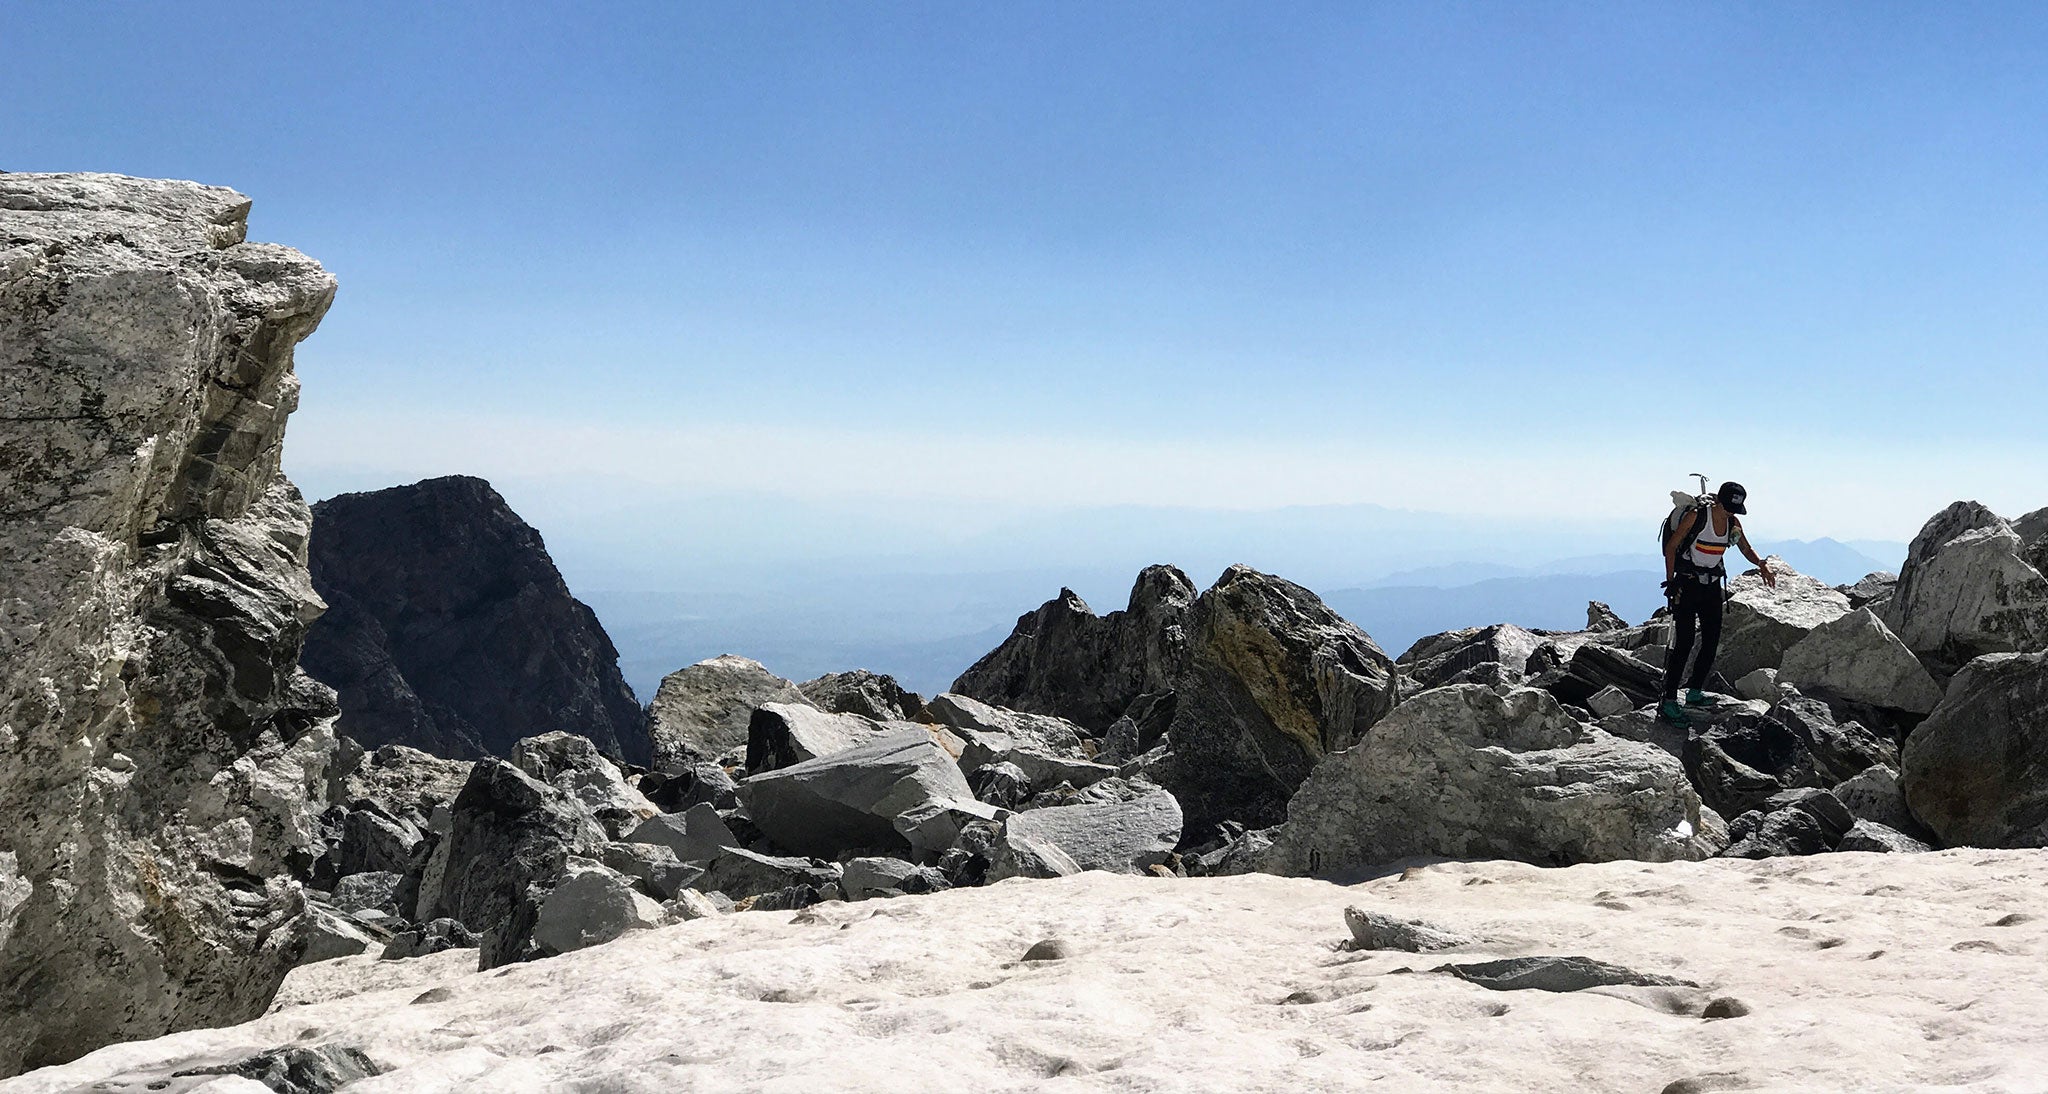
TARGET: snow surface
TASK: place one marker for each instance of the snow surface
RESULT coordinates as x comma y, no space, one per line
1863,972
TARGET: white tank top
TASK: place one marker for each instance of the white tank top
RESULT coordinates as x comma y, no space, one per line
1708,548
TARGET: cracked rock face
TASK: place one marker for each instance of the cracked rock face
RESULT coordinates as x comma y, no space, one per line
158,746
1972,585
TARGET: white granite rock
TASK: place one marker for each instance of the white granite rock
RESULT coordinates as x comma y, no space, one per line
1467,772
156,738
1967,588
1857,657
1763,621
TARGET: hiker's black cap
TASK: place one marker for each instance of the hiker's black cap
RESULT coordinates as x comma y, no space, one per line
1731,496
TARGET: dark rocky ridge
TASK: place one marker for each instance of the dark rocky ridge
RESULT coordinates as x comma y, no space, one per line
1259,678
449,628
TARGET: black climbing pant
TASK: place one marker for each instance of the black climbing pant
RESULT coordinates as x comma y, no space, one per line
1699,607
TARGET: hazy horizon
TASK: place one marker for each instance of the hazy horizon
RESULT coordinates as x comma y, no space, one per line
809,588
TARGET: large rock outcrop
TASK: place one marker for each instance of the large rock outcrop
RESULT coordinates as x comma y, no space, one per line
1468,772
1976,771
703,710
1064,660
449,628
158,746
1972,584
1276,680
1255,681
1858,658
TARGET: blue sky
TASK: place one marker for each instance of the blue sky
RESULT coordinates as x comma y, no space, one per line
1485,258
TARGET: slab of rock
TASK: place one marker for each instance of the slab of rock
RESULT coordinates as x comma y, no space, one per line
1976,771
1380,931
701,783
373,890
1466,772
1872,590
1608,701
868,878
697,834
740,873
1001,784
1761,622
703,711
1559,974
451,630
1066,661
1141,729
1970,586
1594,668
1867,835
782,734
332,934
1018,854
1235,850
1046,749
1859,658
589,906
164,756
1433,661
371,840
292,1069
899,792
1840,750
1265,679
1125,836
656,868
868,694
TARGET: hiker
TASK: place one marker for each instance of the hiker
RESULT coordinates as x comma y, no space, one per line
1692,580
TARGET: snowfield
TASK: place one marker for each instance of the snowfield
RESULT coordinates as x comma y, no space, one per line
1858,972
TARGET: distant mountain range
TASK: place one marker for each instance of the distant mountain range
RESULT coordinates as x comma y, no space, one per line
921,591
927,628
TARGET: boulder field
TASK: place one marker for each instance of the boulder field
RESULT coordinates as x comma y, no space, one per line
1062,866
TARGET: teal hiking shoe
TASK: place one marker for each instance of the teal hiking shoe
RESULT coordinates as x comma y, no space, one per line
1698,698
1674,714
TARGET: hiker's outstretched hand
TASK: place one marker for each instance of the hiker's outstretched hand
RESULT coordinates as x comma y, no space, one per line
1770,578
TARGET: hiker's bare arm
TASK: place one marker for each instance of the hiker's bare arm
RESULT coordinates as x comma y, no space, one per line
1678,535
1742,541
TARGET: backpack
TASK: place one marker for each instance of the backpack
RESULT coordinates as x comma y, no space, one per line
1681,504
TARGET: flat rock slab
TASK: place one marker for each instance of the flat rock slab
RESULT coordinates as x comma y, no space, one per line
1379,931
1557,974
